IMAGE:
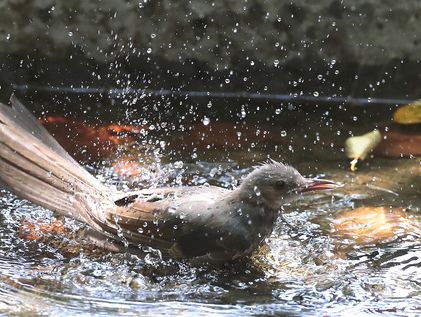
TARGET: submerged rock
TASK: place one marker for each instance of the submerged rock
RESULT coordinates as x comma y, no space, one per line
370,224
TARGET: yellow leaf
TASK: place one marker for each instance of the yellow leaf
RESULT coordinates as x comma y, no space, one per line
409,114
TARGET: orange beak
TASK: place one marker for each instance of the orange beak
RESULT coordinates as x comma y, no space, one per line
318,184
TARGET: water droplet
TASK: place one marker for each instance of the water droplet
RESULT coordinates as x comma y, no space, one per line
205,120
213,172
257,191
243,112
178,164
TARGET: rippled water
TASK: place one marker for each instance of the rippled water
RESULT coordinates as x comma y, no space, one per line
306,268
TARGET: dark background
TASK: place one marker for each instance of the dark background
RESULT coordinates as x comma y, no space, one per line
364,49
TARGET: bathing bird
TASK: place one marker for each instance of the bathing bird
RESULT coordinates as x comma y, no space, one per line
201,223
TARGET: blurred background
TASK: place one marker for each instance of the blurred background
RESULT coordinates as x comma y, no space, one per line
357,48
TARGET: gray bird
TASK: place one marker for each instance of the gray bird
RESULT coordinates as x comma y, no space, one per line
201,223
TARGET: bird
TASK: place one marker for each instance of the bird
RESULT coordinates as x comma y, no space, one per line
203,224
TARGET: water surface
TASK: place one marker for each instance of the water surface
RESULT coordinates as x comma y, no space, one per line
305,268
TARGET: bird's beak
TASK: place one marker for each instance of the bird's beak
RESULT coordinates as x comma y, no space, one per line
318,184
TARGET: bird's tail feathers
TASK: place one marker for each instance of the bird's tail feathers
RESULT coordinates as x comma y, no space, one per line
34,166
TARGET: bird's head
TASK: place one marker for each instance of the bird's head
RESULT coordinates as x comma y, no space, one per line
276,184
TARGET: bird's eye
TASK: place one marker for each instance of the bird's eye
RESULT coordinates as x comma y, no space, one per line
280,185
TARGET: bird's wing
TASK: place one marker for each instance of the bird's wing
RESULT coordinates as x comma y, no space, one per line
140,217
162,204
173,219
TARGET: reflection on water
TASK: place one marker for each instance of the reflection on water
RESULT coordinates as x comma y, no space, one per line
308,266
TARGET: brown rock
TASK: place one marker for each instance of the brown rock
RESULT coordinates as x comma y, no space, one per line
368,224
